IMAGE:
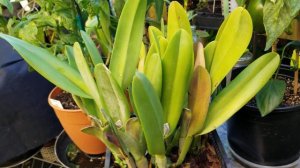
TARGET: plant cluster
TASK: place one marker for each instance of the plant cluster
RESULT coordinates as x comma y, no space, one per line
147,102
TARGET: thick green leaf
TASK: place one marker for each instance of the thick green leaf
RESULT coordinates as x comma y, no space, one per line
277,17
153,71
104,17
163,43
150,113
232,41
270,96
240,90
92,49
104,44
88,78
114,99
54,70
70,54
128,40
199,99
177,19
177,65
154,36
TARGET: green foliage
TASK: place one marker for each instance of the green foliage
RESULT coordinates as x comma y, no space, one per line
277,17
184,109
7,4
127,44
240,90
270,96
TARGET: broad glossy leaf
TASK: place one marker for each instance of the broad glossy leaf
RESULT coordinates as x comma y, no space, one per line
54,70
177,19
87,77
240,90
92,49
128,39
277,17
150,113
153,71
114,99
199,99
177,66
232,41
270,96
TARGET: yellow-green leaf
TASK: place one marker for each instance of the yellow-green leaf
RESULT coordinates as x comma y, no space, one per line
232,41
128,40
153,71
177,19
240,90
177,65
49,66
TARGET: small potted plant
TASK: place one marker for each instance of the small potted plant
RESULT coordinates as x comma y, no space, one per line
266,136
170,95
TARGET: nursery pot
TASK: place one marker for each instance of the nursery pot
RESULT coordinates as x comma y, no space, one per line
273,140
67,154
73,121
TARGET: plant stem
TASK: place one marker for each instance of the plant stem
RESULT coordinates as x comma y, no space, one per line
161,161
184,150
296,74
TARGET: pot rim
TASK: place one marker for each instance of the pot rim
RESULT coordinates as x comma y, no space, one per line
57,108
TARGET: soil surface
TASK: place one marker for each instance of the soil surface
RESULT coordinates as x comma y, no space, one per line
66,100
203,157
289,98
79,159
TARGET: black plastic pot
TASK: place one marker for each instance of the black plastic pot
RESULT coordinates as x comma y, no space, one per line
273,140
208,21
64,146
215,139
26,119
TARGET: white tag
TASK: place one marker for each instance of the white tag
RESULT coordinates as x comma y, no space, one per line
56,103
119,124
166,129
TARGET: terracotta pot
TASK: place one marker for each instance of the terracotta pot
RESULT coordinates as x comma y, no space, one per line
73,121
